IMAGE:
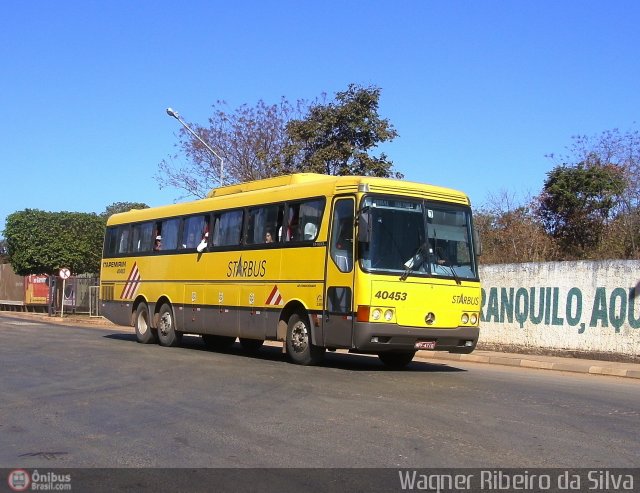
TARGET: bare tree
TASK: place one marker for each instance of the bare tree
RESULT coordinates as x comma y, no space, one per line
250,139
511,232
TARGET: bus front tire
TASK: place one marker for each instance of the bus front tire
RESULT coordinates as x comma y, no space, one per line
396,360
218,342
144,333
167,334
299,347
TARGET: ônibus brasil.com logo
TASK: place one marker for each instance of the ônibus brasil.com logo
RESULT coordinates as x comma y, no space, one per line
21,480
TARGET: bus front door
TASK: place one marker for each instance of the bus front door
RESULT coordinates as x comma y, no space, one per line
339,272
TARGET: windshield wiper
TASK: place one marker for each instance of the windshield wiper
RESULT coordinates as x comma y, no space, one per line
455,276
443,262
416,260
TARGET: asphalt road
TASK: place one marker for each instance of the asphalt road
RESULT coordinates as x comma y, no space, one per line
85,397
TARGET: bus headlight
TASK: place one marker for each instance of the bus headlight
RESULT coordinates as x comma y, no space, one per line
474,318
464,319
388,315
375,314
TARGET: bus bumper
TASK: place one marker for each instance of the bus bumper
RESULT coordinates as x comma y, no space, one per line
382,337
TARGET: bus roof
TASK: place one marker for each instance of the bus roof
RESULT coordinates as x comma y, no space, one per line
300,185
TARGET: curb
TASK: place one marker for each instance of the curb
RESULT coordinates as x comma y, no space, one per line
529,362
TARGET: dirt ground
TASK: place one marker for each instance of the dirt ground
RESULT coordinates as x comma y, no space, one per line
67,319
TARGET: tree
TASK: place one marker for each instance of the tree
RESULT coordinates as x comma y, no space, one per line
251,141
118,207
576,203
270,140
336,138
40,242
621,150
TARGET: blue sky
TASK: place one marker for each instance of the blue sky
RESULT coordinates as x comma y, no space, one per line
479,91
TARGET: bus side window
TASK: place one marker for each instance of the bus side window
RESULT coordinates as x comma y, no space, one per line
227,228
291,228
311,215
262,224
169,231
123,239
111,242
142,237
304,220
215,233
193,231
342,235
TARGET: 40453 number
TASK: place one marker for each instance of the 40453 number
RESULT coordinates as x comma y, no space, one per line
391,295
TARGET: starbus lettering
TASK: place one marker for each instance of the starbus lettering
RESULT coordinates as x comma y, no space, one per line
246,268
549,306
461,299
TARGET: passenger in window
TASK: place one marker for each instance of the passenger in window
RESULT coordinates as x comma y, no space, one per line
157,246
268,237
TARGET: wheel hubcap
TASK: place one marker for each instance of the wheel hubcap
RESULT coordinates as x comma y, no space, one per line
142,324
165,323
299,337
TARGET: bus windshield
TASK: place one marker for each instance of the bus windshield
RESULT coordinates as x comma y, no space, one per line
418,238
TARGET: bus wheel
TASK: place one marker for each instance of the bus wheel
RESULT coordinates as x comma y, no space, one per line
251,345
299,347
144,333
166,327
396,360
218,342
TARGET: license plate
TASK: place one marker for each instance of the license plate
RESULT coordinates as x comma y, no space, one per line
425,345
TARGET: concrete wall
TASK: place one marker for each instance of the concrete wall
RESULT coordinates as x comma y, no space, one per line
586,307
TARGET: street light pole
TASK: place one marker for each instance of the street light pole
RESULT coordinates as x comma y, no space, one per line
175,115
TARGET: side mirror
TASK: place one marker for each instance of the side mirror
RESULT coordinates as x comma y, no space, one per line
364,227
477,241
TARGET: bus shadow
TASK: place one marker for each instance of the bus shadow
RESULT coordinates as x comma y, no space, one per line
335,360
368,362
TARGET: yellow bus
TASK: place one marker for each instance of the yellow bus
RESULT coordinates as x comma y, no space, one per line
317,262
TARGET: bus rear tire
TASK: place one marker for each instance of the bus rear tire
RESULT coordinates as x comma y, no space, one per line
396,360
167,334
251,345
299,347
144,333
218,343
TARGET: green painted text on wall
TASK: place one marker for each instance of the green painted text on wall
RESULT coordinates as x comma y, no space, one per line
548,306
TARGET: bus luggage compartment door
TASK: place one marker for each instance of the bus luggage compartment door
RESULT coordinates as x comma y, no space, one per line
193,308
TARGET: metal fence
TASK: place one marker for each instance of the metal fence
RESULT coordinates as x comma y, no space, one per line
72,295
78,294
94,301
